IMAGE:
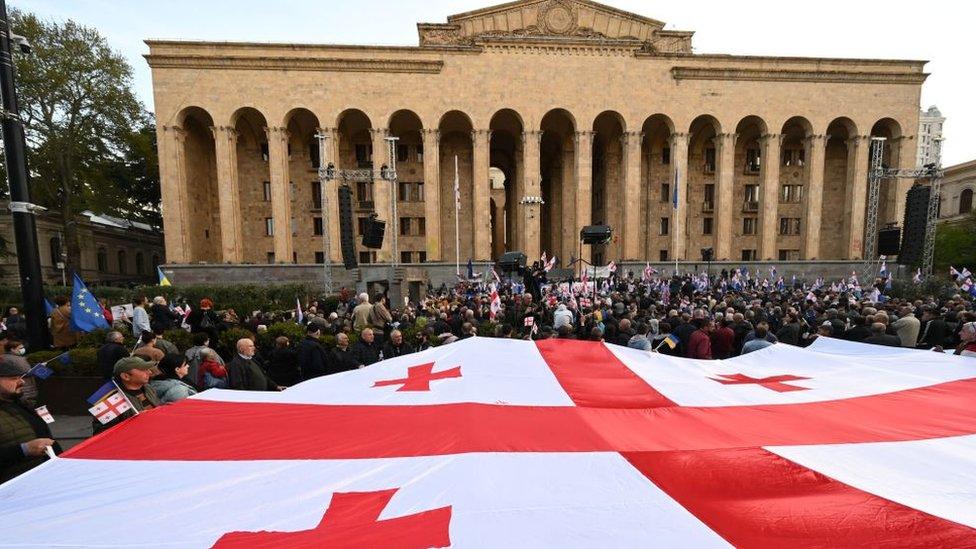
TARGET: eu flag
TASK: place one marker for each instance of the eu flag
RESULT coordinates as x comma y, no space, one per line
48,307
86,313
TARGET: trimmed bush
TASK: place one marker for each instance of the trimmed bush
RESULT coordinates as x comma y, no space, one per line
181,338
294,332
229,338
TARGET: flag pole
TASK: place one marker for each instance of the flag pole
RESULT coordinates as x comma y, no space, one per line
457,215
677,221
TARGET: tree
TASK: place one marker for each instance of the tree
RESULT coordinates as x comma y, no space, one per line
81,118
955,244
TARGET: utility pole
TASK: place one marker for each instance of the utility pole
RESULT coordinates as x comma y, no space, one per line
23,211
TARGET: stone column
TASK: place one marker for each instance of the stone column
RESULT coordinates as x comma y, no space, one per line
584,187
531,201
907,158
228,194
331,191
816,154
679,178
858,149
172,175
280,193
432,192
725,156
383,194
481,140
769,205
631,195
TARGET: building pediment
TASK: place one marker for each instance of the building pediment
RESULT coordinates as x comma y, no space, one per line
569,21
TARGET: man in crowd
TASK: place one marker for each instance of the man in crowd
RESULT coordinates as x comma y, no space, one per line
360,315
243,372
396,346
132,375
343,356
366,350
907,326
111,352
700,343
24,436
194,355
761,339
879,337
313,360
140,317
60,319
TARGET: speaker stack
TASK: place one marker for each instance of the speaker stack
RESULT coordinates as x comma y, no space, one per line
346,234
375,230
916,216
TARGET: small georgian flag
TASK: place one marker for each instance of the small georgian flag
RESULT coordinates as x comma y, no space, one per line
110,407
45,415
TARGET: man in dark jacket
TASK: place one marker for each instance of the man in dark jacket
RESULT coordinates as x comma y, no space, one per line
366,350
113,351
283,364
162,318
879,337
313,360
860,331
24,436
243,372
935,331
342,355
396,346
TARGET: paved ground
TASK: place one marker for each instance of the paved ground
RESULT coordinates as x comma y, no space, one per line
71,430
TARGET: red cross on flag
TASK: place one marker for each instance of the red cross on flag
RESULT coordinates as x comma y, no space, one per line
556,443
110,407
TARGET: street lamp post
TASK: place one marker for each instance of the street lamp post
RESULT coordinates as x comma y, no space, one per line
23,211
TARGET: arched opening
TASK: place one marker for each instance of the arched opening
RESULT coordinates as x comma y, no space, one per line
837,194
254,188
200,197
888,195
412,240
155,261
607,206
306,192
140,264
657,187
457,163
102,260
702,185
557,155
123,262
747,188
55,249
966,201
506,167
356,153
794,181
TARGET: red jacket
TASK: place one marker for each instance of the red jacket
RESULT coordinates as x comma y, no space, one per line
212,367
700,345
722,340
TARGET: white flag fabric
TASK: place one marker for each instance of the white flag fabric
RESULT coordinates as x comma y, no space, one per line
555,443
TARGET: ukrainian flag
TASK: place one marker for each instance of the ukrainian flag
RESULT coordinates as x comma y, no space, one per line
671,341
163,281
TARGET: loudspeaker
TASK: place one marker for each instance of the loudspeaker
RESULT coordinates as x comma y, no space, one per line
375,230
916,216
347,236
889,241
596,234
511,261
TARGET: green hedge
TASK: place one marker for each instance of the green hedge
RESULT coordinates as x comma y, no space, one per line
81,362
294,332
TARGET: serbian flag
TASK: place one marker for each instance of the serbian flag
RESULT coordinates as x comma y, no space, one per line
557,443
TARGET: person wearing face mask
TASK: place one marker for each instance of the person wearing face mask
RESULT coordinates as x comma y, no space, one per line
14,352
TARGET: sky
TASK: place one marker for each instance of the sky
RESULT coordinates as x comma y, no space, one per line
939,31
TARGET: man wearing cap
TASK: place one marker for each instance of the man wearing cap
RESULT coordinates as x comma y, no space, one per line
24,436
132,375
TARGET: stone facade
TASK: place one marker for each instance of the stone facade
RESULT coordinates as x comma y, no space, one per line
930,124
591,115
113,251
958,187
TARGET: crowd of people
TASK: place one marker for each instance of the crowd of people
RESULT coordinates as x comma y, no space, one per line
695,316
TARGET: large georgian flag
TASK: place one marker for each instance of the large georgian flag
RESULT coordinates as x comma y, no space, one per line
496,443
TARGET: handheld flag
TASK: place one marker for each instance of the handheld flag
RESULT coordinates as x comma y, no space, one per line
299,315
44,414
86,312
163,281
101,392
674,192
671,341
917,279
48,307
110,407
40,371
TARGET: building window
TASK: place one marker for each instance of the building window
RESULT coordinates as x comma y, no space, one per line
294,257
413,226
420,152
268,226
753,161
706,225
666,155
752,193
55,244
362,223
364,155
320,257
710,160
266,185
789,226
709,202
102,260
966,201
316,195
364,194
404,226
662,255
791,194
123,262
748,255
665,225
313,153
367,257
789,255
403,153
264,152
748,225
421,257
794,157
317,226
405,257
140,264
410,192
665,192
271,258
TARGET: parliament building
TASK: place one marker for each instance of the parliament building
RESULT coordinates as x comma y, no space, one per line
552,115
